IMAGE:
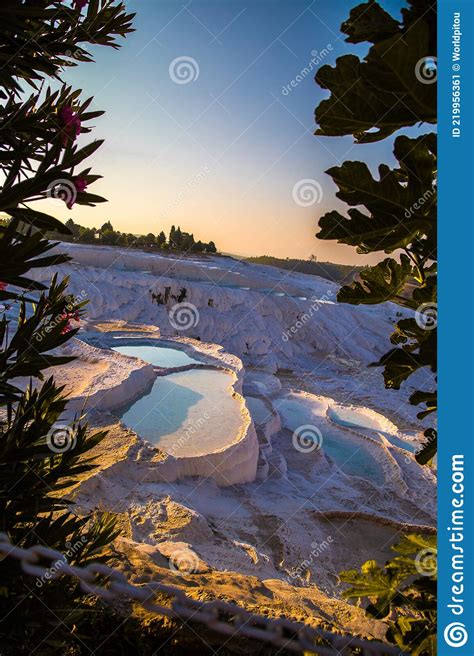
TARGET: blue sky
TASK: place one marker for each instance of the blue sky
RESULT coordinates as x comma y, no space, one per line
220,155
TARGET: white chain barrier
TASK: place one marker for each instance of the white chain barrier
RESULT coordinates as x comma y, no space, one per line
223,617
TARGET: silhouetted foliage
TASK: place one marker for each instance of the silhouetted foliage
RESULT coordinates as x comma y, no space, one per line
400,206
39,458
395,213
178,241
402,592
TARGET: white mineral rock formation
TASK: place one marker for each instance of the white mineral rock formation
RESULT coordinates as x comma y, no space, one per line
269,503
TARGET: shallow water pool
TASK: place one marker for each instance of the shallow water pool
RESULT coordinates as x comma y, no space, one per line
159,356
351,455
358,419
187,413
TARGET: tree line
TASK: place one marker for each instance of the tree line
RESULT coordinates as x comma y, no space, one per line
340,273
177,240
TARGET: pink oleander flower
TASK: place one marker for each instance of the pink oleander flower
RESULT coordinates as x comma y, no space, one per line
80,4
71,123
67,329
69,316
80,185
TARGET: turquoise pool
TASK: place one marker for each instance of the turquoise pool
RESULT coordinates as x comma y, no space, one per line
159,356
187,413
351,455
357,419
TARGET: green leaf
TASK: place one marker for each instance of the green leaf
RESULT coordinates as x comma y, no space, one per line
369,22
383,282
374,98
429,448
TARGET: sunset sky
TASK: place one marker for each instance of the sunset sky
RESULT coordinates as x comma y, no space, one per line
221,154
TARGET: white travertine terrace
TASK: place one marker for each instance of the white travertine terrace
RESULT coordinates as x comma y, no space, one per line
258,504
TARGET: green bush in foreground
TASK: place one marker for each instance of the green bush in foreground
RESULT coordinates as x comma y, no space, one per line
40,457
392,88
405,585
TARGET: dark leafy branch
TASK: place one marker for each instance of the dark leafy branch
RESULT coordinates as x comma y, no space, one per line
405,583
41,157
395,213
